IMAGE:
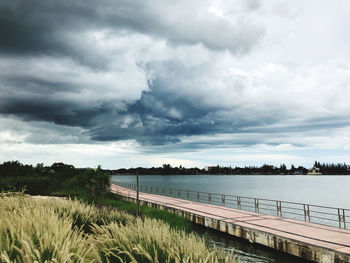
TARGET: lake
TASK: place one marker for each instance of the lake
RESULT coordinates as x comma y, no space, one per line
319,190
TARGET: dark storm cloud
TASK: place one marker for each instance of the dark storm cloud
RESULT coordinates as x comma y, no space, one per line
179,100
171,108
162,114
36,27
36,85
48,109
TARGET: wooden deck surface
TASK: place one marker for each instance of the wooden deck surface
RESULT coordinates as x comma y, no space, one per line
332,238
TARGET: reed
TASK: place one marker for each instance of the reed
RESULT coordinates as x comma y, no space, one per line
31,230
63,230
152,241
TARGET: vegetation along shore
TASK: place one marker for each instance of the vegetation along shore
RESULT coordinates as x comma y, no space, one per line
79,220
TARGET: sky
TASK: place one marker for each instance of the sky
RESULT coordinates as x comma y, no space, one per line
194,83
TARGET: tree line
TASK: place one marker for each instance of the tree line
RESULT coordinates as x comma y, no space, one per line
167,169
58,179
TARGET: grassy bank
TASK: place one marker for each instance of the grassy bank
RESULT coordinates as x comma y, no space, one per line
51,229
112,200
174,221
88,185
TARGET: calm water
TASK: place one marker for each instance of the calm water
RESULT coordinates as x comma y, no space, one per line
319,190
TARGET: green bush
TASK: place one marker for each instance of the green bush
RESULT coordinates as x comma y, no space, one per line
95,181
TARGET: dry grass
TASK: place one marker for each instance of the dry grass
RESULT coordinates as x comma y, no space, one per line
61,230
153,241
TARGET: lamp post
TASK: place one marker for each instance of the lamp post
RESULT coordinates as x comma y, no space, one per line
137,195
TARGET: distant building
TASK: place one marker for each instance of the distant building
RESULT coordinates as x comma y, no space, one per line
314,171
212,169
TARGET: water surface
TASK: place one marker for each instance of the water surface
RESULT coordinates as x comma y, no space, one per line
320,190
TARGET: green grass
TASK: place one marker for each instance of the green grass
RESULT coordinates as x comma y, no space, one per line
171,219
36,229
69,188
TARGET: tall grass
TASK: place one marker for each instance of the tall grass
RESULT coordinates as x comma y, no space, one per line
153,241
173,220
31,230
62,230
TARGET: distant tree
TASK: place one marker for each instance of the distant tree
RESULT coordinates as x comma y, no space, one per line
283,169
96,181
292,169
63,170
317,164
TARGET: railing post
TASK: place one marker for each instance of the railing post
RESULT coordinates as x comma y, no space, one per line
238,202
279,208
171,191
146,188
198,196
151,189
157,189
341,218
178,193
188,195
306,212
223,200
137,196
209,197
256,203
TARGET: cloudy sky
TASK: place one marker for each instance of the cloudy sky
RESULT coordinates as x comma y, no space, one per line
141,83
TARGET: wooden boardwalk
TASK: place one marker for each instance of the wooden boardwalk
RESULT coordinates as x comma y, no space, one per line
307,240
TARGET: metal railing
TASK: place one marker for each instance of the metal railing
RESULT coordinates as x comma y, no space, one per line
324,215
